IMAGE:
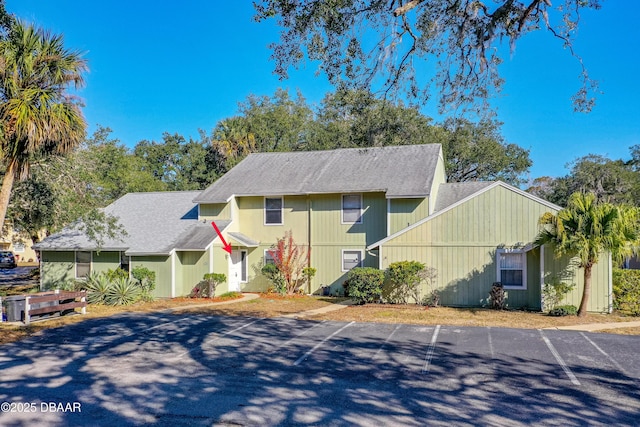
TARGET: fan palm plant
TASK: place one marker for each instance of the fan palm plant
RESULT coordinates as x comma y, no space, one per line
586,229
38,117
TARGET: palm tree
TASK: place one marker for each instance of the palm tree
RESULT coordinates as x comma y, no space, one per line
586,229
38,117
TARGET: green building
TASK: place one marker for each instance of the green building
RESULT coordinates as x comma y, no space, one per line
351,207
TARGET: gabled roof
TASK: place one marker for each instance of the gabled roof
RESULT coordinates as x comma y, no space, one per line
399,171
156,223
455,194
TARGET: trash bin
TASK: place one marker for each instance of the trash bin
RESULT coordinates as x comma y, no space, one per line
15,308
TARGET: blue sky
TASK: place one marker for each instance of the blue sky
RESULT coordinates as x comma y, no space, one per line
157,67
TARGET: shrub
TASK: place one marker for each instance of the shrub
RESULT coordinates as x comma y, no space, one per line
146,277
116,274
626,291
97,286
554,292
364,284
564,310
496,296
290,259
211,281
273,274
124,292
403,281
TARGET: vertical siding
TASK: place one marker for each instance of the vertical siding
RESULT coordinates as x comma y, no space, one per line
57,267
103,261
294,218
161,265
190,269
461,244
404,212
215,211
565,269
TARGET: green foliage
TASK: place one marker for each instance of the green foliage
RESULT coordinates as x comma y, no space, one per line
382,46
585,229
273,274
117,273
212,280
626,291
364,284
564,310
290,260
403,281
146,277
554,292
124,291
98,286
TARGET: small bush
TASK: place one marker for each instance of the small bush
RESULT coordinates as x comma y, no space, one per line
273,274
364,284
124,292
97,286
496,296
564,310
403,281
554,292
116,274
626,291
146,277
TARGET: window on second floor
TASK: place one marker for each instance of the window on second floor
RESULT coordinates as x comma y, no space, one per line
352,208
273,210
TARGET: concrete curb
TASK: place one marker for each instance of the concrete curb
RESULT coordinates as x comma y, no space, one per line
597,326
322,310
245,297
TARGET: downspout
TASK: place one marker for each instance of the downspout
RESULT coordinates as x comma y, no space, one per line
542,277
610,277
173,273
309,239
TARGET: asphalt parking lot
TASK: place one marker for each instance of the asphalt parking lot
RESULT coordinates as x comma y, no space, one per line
166,369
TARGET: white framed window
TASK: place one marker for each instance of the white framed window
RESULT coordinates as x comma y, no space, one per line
511,268
273,210
352,208
268,259
83,264
351,258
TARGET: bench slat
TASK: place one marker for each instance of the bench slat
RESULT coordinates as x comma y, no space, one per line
55,308
56,297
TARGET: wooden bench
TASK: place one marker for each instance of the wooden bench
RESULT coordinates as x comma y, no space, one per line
44,305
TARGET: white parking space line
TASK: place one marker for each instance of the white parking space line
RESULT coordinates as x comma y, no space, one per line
219,336
385,342
317,346
616,364
559,359
490,342
432,348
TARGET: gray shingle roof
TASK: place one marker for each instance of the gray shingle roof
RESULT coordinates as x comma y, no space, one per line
451,193
155,223
399,171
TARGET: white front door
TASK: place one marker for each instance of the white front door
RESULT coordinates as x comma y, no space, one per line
237,270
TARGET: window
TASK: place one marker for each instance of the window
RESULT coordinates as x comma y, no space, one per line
512,271
273,210
352,208
124,262
268,259
351,259
243,266
83,264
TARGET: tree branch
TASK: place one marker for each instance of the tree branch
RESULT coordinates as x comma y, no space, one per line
402,10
